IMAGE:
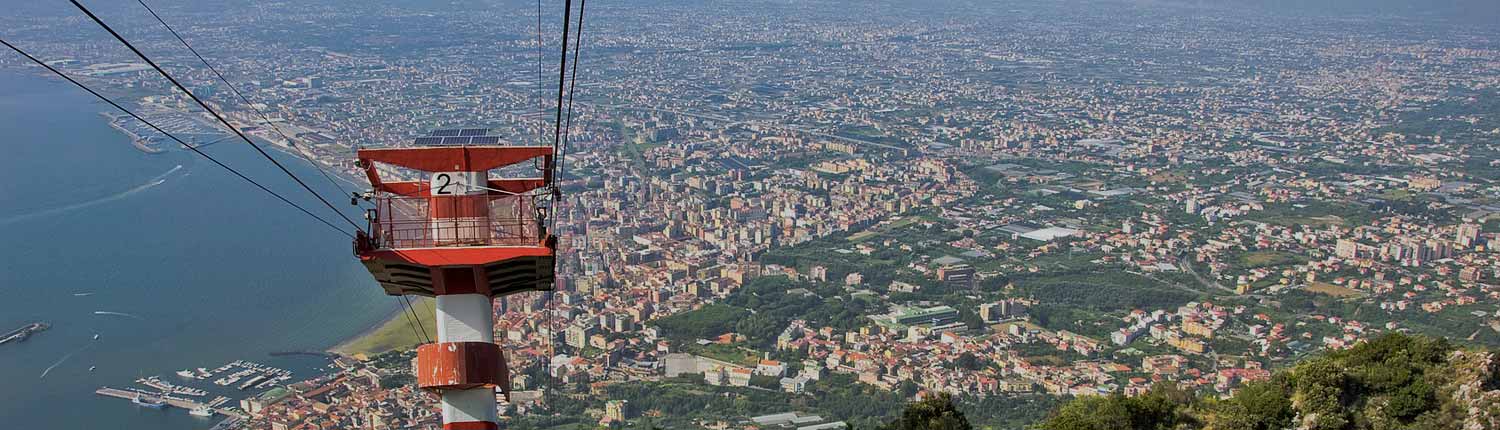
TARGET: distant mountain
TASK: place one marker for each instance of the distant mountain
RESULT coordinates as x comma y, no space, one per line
1394,382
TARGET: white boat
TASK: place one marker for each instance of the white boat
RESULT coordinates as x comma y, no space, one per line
96,336
203,411
91,368
153,403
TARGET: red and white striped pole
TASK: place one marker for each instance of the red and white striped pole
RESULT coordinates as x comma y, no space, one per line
464,355
465,366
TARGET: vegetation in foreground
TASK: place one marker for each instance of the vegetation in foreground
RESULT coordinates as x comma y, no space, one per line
1394,382
934,413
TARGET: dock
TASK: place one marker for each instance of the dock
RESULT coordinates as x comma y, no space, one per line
20,334
130,394
137,140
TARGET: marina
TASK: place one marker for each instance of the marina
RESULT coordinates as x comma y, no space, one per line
246,376
254,375
167,387
137,139
148,140
128,279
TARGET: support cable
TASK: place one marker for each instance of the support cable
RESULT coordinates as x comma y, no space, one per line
173,137
572,90
417,317
242,97
562,74
541,102
211,111
562,157
406,313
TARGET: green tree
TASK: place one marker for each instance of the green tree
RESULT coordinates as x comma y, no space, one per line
1091,413
934,413
967,361
907,388
1163,408
1392,382
1258,406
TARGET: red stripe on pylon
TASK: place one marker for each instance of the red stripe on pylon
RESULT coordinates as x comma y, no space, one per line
472,425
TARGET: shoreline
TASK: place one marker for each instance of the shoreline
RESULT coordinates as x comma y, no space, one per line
395,312
139,142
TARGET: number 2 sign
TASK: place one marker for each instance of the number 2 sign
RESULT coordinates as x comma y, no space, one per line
456,183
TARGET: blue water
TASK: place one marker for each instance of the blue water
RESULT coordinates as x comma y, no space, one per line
173,267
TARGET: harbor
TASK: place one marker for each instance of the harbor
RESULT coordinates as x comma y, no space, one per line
254,375
193,130
137,139
238,379
23,333
182,324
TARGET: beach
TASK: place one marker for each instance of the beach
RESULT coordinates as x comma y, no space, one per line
395,331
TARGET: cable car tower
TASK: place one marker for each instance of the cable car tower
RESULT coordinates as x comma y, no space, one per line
453,228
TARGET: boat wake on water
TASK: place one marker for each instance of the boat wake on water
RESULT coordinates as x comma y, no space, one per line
63,359
158,180
122,314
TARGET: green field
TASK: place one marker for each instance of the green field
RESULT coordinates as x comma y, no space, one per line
1316,214
395,333
883,229
728,353
1396,194
1090,290
1333,290
1258,259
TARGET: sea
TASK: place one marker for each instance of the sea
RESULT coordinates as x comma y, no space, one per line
171,261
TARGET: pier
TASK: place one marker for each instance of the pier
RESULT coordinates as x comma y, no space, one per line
140,142
130,394
20,334
306,353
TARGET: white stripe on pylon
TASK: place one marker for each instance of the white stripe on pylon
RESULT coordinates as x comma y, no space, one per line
469,405
467,318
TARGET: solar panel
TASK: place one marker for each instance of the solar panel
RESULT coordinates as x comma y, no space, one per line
447,132
429,141
474,132
455,141
486,140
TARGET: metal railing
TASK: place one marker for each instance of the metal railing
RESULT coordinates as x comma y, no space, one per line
477,220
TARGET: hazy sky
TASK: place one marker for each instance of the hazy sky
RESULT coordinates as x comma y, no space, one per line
1473,12
1476,11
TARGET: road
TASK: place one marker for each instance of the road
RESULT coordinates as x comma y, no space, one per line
1187,265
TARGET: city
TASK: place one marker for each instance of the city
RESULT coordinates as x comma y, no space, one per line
798,208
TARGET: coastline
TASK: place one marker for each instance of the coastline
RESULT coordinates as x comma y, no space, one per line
138,141
395,312
343,347
395,332
138,282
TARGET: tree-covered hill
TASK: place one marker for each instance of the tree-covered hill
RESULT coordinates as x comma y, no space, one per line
1390,383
